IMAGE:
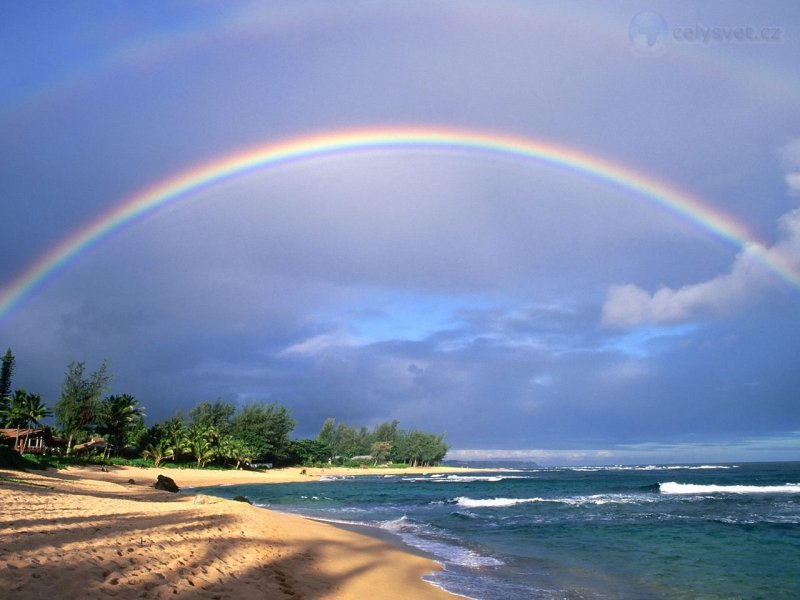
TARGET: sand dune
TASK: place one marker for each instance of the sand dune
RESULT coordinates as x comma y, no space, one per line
89,534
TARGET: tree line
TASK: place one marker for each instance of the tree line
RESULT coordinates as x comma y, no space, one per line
211,432
385,442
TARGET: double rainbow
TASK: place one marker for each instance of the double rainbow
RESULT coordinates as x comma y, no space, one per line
183,184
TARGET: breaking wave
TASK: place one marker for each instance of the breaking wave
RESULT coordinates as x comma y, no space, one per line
493,502
672,487
462,478
650,468
594,500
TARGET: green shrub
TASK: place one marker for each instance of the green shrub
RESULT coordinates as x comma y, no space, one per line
11,459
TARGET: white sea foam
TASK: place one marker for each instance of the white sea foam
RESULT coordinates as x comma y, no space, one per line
430,540
471,478
597,500
600,499
335,477
649,468
493,502
672,487
462,478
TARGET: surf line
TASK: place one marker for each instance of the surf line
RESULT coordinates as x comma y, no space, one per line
182,184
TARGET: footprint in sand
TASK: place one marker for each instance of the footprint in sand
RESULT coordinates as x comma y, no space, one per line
285,584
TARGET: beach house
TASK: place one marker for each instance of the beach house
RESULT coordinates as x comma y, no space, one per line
34,441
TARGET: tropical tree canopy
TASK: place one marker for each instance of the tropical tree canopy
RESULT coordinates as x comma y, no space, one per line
265,428
80,395
217,414
6,373
117,417
26,410
385,442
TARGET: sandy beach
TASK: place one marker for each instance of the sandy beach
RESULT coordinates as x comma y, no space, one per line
91,534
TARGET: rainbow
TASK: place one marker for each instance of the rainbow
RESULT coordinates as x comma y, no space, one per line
272,154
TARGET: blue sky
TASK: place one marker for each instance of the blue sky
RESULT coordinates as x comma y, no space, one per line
526,311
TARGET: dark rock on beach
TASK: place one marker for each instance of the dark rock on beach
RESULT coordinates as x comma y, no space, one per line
166,483
242,499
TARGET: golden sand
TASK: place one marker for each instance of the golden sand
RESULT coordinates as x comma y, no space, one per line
86,533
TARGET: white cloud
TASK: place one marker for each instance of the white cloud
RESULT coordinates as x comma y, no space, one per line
630,306
320,343
790,155
793,181
789,246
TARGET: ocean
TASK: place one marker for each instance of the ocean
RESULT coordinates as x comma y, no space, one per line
589,533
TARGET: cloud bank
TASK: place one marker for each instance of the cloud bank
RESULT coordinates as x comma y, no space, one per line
790,155
628,305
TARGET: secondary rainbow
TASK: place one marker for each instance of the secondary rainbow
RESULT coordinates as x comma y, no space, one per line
181,185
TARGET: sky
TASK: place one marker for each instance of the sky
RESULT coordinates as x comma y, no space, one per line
527,308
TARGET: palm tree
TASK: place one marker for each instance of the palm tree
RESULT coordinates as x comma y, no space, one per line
117,413
235,449
175,433
16,410
159,451
199,444
30,411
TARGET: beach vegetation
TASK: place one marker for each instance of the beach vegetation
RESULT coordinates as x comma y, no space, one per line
118,417
30,411
172,433
213,434
236,450
24,410
15,413
326,438
217,415
380,451
417,448
384,443
6,373
80,395
10,459
265,429
201,443
158,451
309,453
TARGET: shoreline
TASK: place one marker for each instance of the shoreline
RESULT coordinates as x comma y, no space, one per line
197,478
89,533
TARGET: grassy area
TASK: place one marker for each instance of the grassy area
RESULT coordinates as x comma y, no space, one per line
24,482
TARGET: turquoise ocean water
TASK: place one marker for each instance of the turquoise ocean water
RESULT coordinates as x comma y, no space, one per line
646,532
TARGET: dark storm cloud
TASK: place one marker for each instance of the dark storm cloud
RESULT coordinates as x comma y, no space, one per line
515,306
